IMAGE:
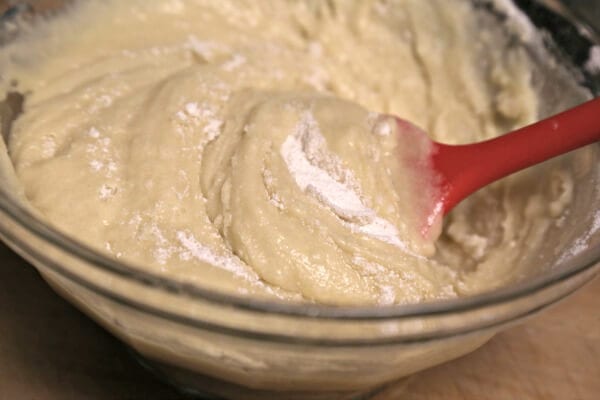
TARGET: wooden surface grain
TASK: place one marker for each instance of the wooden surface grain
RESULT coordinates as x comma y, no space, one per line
50,351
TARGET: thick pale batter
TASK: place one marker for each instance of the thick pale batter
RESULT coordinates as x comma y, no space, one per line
238,144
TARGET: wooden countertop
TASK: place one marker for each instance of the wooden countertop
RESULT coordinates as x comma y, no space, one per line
50,351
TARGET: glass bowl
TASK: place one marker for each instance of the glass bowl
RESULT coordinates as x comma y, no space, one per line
215,345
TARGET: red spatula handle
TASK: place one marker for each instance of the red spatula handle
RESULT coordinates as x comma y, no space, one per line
466,168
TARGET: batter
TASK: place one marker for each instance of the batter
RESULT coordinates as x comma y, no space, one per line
242,145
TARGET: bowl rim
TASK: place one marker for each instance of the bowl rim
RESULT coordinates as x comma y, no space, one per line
570,267
25,219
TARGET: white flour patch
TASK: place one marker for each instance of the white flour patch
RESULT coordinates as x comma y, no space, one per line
48,146
192,109
202,48
106,192
234,63
101,154
94,133
96,165
304,152
201,114
517,20
193,248
593,63
582,243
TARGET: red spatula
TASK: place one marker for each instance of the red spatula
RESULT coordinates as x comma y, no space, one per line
460,170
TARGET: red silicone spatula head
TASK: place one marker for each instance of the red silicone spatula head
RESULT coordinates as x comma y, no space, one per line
458,171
